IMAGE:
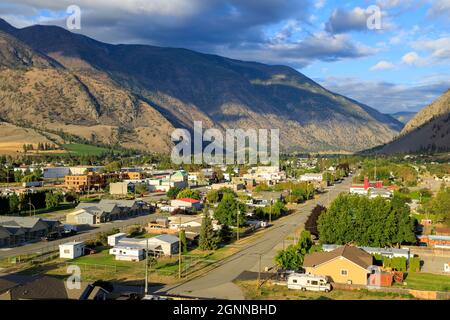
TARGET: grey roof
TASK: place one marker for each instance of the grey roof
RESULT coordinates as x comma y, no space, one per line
167,238
120,203
99,206
371,250
26,222
4,233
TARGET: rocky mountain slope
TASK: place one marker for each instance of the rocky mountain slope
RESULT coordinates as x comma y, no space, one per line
429,130
136,94
439,107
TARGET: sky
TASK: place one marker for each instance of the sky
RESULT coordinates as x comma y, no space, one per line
393,55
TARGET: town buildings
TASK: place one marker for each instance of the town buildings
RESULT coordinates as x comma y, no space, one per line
371,189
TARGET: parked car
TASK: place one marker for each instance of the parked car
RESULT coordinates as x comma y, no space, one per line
308,282
68,233
52,236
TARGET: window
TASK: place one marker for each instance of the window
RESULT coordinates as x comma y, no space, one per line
294,281
67,251
344,272
314,283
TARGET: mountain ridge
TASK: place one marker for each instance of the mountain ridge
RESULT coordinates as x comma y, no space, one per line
428,131
183,85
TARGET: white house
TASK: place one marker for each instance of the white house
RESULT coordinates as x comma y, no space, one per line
447,267
71,250
114,239
125,253
184,221
312,177
186,204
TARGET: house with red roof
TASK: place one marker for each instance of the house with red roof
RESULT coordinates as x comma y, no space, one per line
186,204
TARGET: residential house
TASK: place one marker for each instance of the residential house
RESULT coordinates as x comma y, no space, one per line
346,264
50,288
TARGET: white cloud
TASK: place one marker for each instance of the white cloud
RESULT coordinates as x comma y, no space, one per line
382,65
439,7
439,48
411,58
319,4
389,97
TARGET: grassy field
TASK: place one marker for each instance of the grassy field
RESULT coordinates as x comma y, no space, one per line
84,149
428,281
277,292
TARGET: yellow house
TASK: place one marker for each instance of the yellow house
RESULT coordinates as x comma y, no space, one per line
345,264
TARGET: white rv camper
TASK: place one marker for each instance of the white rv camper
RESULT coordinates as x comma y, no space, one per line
308,282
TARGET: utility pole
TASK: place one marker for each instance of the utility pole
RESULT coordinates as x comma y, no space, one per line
237,233
270,213
259,272
146,269
179,250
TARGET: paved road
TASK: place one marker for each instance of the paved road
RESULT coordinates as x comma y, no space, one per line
218,282
85,235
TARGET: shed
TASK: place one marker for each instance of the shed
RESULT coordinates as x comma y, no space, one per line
71,250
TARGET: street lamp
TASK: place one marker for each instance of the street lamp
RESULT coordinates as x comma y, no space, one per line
31,205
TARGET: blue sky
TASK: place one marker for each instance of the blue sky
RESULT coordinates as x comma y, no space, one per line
401,66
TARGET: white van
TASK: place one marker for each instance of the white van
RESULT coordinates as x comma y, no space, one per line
306,281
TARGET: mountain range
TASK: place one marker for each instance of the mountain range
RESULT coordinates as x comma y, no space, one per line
403,116
135,95
428,130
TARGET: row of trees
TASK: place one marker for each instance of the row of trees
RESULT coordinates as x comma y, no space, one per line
16,204
366,222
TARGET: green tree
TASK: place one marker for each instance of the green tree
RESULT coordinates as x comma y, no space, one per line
440,205
208,239
374,222
172,193
188,193
52,200
213,196
141,188
227,211
14,203
292,258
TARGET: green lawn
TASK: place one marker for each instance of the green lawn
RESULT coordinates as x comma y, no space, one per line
84,149
428,281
